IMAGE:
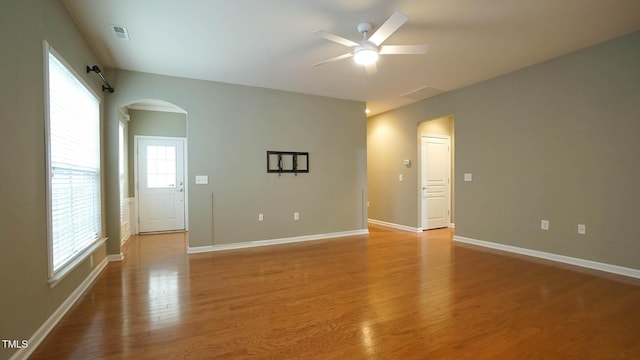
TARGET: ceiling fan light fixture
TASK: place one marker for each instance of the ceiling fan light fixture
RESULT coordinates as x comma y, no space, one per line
365,56
367,51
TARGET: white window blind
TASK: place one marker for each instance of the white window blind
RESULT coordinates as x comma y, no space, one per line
74,165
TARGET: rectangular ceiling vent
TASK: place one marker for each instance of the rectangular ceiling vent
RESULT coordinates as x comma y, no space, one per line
120,32
423,92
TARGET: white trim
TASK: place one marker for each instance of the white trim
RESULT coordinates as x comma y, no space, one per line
123,114
295,239
129,203
156,105
133,222
125,241
115,257
47,137
185,154
395,226
614,269
58,314
125,206
75,261
452,225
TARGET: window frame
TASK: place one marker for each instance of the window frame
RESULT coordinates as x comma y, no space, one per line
54,276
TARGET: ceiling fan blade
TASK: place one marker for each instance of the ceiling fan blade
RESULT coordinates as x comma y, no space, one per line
371,69
389,27
403,49
335,38
340,57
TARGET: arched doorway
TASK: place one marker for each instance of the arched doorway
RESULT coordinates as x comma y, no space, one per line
154,200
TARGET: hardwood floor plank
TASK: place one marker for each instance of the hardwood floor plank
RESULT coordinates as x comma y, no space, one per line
387,295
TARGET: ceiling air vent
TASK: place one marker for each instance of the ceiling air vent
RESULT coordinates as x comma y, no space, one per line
423,92
120,32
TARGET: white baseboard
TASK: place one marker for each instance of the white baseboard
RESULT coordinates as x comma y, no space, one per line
249,244
115,257
395,226
614,269
57,315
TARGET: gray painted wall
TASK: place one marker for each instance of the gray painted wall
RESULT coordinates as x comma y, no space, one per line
556,140
230,128
27,301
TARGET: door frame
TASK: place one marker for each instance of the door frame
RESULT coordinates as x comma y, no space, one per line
136,183
422,165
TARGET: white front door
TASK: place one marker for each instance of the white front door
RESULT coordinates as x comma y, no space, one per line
435,183
161,190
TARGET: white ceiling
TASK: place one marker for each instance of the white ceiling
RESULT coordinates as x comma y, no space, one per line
269,43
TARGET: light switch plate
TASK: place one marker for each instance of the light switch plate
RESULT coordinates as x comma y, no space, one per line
582,229
544,224
468,177
202,179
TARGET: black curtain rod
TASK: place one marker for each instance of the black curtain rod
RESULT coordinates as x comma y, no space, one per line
106,85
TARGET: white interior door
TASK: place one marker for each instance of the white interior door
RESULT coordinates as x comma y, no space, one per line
436,182
161,190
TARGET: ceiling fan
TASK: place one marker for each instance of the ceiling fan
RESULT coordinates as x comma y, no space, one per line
367,51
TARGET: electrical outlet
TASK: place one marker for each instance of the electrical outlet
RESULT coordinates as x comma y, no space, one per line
260,217
400,177
582,229
544,224
296,216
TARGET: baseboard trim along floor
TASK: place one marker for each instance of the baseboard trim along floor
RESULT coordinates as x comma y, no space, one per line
395,226
614,269
57,315
288,240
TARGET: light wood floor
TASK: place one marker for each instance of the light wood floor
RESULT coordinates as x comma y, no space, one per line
389,295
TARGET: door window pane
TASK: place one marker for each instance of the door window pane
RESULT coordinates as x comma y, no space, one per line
161,166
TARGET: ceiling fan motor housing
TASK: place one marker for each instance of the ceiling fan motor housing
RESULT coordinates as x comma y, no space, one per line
367,52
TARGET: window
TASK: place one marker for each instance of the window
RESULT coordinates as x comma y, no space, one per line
161,166
73,168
